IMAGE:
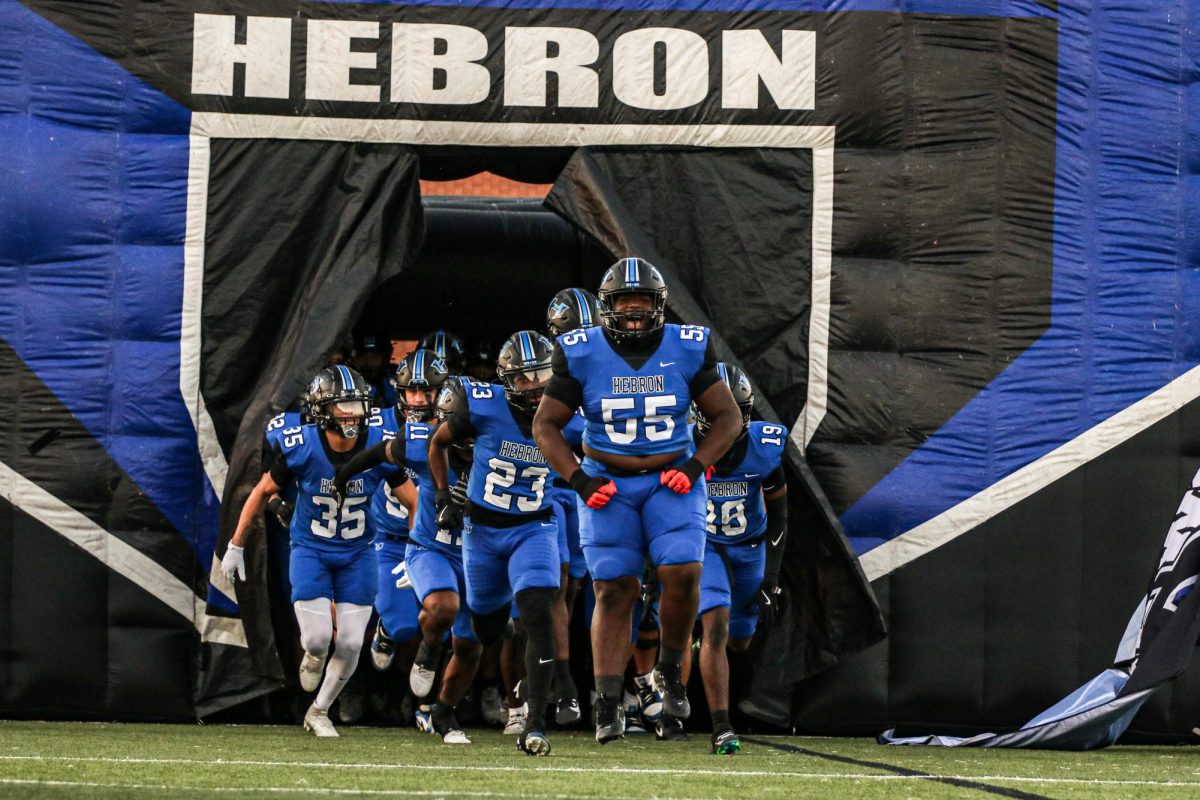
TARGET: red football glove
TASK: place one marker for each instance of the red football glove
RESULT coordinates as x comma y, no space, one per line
596,492
681,479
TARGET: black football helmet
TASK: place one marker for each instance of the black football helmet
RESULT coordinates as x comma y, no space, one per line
449,348
571,309
632,276
451,400
339,400
743,395
524,369
420,369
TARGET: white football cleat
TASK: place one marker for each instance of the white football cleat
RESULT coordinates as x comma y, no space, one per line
311,668
517,718
420,680
318,722
455,736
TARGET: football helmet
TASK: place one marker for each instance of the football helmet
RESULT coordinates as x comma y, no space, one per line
339,400
449,348
632,276
743,395
571,309
524,369
424,371
452,399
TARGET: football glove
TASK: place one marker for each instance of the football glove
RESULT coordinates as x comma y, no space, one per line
233,563
682,478
595,491
768,598
449,513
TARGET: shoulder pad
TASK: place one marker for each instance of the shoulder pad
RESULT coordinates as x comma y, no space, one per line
693,336
577,339
769,434
417,431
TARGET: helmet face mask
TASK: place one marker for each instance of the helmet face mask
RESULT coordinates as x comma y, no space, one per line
524,369
624,317
339,401
421,373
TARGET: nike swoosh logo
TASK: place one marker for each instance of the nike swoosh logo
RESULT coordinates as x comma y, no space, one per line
777,541
666,363
751,474
545,660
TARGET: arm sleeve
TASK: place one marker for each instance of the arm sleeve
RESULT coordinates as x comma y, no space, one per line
281,473
563,387
398,449
397,478
707,375
776,539
367,459
459,419
775,481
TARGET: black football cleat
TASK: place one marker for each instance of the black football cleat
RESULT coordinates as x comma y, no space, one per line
670,729
668,679
610,719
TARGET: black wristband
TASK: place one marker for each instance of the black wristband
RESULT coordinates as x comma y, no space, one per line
692,468
579,479
442,498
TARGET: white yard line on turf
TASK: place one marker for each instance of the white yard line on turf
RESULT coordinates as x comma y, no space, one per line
299,790
736,773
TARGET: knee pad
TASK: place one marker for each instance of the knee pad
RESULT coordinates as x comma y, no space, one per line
490,628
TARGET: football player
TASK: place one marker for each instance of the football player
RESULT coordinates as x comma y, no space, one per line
511,537
418,378
331,560
433,564
571,309
642,478
747,527
449,347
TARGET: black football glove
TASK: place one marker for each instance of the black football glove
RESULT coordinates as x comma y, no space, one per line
769,599
458,492
282,511
449,513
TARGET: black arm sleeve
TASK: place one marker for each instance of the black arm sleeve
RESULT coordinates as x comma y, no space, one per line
776,539
707,375
280,472
397,478
459,418
361,462
775,481
398,450
563,387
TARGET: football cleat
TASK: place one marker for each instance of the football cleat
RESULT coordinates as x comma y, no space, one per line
383,649
446,725
318,722
534,743
421,678
725,743
311,668
649,700
610,719
670,729
492,707
517,717
424,720
668,680
566,711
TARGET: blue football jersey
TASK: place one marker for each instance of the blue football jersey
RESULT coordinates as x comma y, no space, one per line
509,474
636,411
416,458
286,423
735,502
317,521
387,515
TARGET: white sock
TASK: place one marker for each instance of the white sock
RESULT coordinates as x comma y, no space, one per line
352,627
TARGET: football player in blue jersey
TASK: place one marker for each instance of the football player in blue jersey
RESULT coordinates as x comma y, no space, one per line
510,547
571,309
331,560
433,564
747,528
418,378
635,378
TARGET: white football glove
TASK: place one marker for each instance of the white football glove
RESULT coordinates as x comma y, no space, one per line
233,564
402,582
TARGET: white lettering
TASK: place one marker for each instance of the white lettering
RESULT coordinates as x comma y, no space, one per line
417,64
267,55
686,78
527,65
330,60
747,58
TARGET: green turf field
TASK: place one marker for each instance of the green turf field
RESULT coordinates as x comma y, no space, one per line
87,760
